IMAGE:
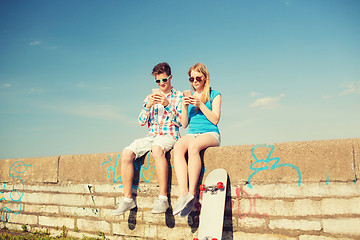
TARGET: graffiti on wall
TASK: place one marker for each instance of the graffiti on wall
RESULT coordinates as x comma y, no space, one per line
15,196
146,170
252,204
274,161
238,205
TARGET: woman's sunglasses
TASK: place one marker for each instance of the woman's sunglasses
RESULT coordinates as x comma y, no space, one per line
164,80
198,79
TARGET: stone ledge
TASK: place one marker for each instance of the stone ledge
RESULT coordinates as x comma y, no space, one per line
294,162
35,170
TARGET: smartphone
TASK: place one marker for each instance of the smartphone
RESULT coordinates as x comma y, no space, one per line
187,93
156,90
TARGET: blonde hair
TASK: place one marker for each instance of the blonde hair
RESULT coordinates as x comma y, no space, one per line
200,68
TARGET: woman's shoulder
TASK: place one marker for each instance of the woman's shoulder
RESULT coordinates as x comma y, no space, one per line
214,93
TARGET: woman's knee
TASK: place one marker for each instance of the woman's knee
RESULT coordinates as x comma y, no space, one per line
183,144
194,149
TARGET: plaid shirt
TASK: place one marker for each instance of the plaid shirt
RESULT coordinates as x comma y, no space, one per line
163,120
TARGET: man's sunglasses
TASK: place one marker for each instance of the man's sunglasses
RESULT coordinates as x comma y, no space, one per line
198,79
164,80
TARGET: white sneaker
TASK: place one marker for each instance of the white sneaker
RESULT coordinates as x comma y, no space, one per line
161,206
124,207
182,202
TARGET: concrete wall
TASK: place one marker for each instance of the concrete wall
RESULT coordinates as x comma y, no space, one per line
295,191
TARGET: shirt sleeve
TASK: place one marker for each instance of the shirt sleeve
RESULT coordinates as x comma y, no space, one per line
144,114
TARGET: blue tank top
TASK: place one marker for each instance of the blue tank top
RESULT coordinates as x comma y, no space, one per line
198,123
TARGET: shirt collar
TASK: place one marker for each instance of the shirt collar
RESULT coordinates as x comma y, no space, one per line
172,91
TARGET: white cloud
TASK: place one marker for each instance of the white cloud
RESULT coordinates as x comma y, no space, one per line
230,128
267,102
253,94
35,43
52,47
82,85
7,85
35,90
98,111
327,96
86,86
88,110
353,87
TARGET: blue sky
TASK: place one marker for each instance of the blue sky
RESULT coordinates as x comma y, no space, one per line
73,74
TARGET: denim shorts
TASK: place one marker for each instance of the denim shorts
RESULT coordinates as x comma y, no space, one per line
215,134
143,145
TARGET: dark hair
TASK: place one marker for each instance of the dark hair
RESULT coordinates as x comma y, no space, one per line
161,68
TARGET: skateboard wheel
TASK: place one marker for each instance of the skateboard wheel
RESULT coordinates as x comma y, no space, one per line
220,185
202,187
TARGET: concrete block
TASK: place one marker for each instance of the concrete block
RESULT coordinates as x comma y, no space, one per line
128,229
56,222
93,226
134,215
346,226
251,222
146,202
313,237
316,160
150,231
13,206
333,157
58,199
343,206
12,226
155,218
304,225
29,170
279,190
306,190
180,222
178,232
100,201
356,152
243,208
67,199
235,160
262,208
61,188
90,168
259,236
37,198
106,215
79,211
47,209
306,207
82,235
108,189
23,219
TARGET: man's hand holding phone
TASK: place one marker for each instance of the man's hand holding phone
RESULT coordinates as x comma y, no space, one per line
157,98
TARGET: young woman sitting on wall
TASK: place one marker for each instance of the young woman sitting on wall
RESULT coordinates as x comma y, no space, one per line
201,113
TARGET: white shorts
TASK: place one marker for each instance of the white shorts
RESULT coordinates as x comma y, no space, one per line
143,145
215,134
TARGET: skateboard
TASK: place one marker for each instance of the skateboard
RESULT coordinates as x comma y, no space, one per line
213,205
